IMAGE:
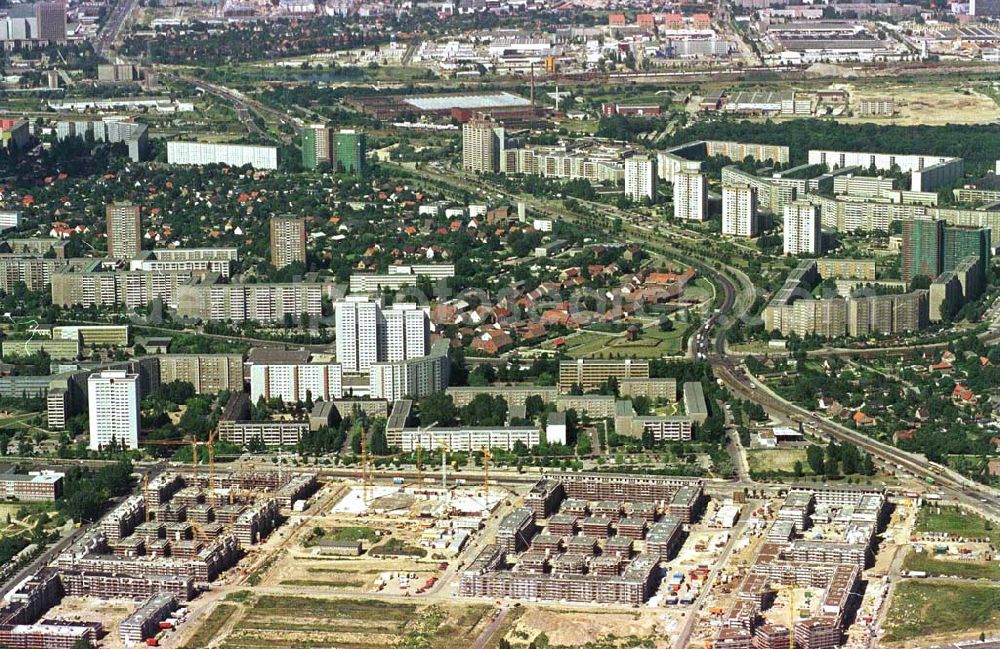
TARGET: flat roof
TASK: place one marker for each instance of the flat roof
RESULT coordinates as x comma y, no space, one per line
489,100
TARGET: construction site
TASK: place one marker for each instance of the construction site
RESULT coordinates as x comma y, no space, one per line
156,550
587,538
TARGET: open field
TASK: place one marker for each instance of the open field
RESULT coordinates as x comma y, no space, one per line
565,629
217,619
920,609
955,522
779,459
934,105
653,343
925,562
286,622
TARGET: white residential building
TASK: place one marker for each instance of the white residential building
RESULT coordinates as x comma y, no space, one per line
415,378
234,155
739,211
690,196
407,333
359,321
640,178
368,334
803,235
297,382
113,399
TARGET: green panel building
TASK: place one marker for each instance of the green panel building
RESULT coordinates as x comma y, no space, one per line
960,243
922,254
315,146
350,152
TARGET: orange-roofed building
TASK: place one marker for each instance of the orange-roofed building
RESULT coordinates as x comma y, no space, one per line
616,20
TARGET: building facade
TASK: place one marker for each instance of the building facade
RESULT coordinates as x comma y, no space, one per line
113,399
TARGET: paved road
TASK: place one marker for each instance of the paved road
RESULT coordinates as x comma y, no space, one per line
491,629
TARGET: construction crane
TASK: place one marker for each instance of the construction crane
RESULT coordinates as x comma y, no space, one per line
366,474
420,464
194,461
487,456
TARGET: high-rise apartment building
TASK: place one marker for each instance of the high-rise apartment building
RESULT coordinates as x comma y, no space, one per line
113,398
288,241
960,242
349,156
739,211
803,235
359,322
690,195
316,146
407,332
50,18
482,144
368,334
922,253
124,221
640,178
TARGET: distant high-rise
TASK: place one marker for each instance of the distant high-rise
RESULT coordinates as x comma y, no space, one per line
350,152
113,397
124,221
988,8
922,252
482,144
803,235
316,146
288,241
739,211
51,20
960,242
690,195
640,178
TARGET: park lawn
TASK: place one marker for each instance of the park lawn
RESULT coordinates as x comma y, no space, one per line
586,343
652,344
957,522
925,562
931,607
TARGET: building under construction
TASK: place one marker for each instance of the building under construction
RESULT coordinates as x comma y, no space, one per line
164,545
831,561
588,525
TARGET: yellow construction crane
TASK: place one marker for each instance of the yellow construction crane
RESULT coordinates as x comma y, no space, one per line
420,463
487,456
194,462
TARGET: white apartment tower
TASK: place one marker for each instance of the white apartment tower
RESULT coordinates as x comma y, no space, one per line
640,178
739,211
407,332
690,195
359,322
367,333
803,235
113,397
482,145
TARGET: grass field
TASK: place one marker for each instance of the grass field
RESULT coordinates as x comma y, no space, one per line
210,626
282,622
932,607
652,344
925,562
957,522
783,459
